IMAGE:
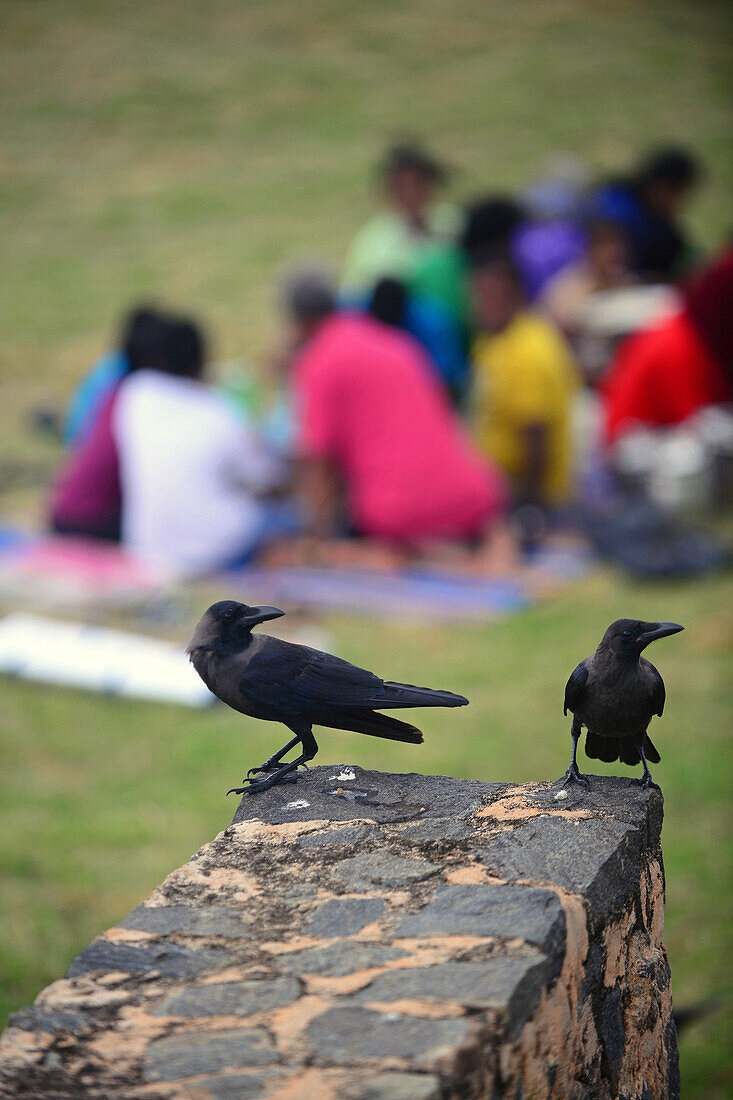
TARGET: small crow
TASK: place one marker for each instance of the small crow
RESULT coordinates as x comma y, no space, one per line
278,681
614,694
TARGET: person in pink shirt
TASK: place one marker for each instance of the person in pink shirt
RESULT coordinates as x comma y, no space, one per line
376,435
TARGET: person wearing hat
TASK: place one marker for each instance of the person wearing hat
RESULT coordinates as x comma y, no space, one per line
389,243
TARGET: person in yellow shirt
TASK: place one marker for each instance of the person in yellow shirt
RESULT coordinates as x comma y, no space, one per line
524,383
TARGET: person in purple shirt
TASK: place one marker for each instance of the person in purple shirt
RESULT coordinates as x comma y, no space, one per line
86,498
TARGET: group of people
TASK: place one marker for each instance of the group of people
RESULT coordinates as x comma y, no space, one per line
427,396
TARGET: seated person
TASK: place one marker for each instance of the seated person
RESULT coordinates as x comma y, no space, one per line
604,266
376,433
86,499
389,243
140,345
648,204
441,270
191,470
668,372
525,381
551,238
86,496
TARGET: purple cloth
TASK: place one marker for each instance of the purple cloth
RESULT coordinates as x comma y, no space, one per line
86,497
541,249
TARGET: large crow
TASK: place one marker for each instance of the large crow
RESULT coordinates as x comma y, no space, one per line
265,677
614,694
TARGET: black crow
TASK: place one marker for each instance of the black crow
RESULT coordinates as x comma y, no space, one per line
278,681
614,694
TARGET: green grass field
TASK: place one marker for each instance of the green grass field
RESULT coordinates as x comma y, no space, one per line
185,151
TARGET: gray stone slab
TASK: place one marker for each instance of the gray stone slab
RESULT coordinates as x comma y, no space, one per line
395,1086
230,998
375,795
187,920
520,912
337,838
209,920
438,829
513,985
45,1019
384,869
234,1086
611,797
350,1034
344,916
185,1055
589,857
339,959
169,959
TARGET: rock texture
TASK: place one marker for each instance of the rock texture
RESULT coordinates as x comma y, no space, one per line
361,936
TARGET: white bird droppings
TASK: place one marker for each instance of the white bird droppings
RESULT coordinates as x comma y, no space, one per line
345,776
561,796
299,804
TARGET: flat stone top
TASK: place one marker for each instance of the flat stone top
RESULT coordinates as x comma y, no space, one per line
350,927
345,792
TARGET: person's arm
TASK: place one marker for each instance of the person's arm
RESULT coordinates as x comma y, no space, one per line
536,449
319,490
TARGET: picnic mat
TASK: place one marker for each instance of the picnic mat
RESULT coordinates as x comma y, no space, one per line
58,572
412,593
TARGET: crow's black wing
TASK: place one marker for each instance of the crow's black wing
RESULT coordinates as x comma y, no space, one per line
298,677
655,681
293,676
327,679
575,687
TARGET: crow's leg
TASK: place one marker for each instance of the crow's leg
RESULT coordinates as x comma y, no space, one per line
283,774
572,775
272,762
646,780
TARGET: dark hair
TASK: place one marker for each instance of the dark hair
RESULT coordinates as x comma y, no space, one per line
185,350
490,223
499,260
671,165
142,340
388,302
409,157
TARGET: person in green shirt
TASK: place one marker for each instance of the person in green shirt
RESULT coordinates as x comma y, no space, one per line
390,242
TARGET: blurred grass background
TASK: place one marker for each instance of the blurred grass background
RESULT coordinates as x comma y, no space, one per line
184,151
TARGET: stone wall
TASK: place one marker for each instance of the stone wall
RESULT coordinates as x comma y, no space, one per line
361,936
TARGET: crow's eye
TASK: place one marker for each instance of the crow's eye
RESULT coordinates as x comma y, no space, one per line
228,615
625,633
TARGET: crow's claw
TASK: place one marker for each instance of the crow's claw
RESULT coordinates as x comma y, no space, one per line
572,775
645,783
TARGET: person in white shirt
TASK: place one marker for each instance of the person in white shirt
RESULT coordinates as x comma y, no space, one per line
192,472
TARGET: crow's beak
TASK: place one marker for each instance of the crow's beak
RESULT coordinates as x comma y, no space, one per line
262,614
653,631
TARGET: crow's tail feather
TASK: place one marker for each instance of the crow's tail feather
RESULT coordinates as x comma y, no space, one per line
377,725
652,753
408,695
624,749
602,748
627,751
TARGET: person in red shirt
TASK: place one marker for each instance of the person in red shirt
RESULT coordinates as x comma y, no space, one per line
666,373
376,432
